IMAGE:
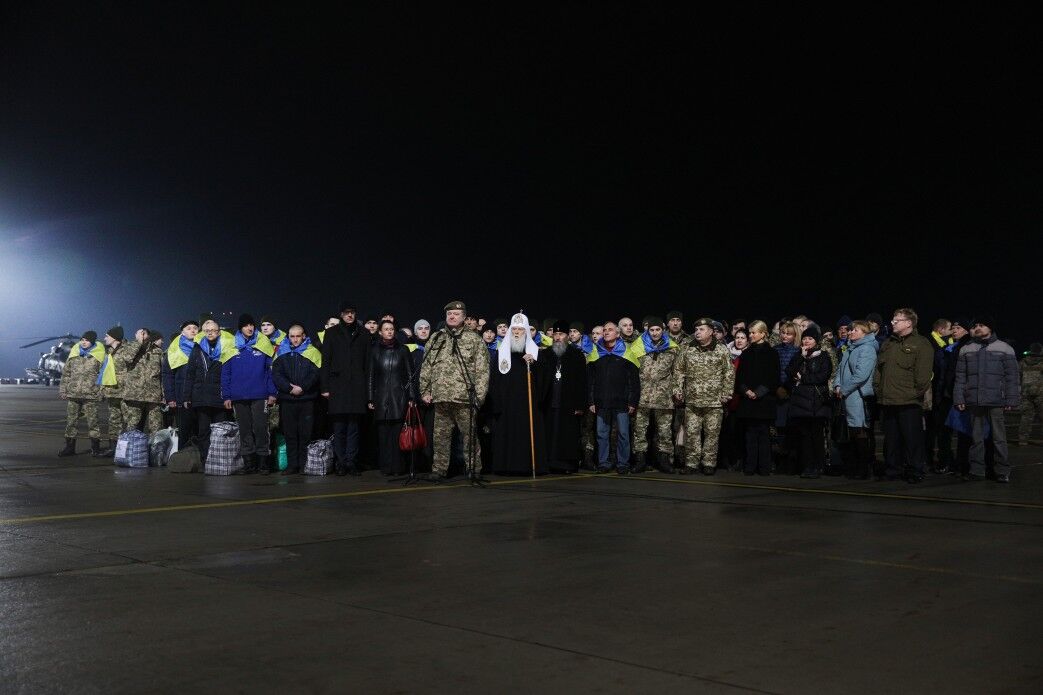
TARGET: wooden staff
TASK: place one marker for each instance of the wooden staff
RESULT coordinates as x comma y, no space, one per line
532,436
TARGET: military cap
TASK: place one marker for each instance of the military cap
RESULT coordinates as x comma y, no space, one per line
578,326
675,314
89,335
704,322
455,305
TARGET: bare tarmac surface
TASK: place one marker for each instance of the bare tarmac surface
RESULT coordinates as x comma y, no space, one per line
115,580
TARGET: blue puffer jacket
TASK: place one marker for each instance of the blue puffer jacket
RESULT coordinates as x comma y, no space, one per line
855,378
987,375
247,376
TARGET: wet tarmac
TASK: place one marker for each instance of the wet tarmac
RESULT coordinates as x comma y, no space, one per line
115,580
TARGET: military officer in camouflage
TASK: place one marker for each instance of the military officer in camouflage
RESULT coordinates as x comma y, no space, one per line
455,378
655,354
142,384
1031,391
79,388
704,381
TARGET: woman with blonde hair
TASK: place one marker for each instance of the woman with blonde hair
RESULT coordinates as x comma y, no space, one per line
756,381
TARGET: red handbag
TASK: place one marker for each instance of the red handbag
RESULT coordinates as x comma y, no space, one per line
412,437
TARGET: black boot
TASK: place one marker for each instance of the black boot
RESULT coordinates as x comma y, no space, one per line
264,465
96,450
640,462
663,463
70,447
249,464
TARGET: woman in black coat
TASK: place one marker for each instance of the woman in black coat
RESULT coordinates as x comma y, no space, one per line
810,405
345,356
391,390
756,380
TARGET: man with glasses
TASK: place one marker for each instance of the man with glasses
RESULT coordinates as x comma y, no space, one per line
901,381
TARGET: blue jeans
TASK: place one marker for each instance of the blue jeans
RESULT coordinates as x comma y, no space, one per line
605,416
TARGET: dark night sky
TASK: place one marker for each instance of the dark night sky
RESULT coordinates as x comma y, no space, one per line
584,162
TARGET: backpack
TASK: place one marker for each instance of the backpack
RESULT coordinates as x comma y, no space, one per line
225,454
320,457
186,460
132,450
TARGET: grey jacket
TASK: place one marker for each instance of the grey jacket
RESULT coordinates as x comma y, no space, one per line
987,375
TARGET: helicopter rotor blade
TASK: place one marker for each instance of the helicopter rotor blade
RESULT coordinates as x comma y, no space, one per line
47,340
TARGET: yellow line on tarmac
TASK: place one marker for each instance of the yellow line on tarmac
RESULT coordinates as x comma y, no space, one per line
271,500
819,491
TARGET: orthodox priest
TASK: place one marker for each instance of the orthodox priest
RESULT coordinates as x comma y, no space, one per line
518,382
566,400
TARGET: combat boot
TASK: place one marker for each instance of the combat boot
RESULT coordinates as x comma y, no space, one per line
264,466
640,462
663,463
249,464
70,447
96,450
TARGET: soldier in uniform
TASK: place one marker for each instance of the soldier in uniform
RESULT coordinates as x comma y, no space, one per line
142,382
454,377
79,388
113,393
675,329
704,380
1031,391
655,354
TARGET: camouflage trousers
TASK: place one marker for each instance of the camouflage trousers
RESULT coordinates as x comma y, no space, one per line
115,417
1031,409
702,431
134,411
664,437
448,416
89,409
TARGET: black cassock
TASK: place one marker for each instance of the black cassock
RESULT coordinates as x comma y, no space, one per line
566,393
510,404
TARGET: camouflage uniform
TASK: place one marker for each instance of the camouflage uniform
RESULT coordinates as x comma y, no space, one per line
442,379
79,386
142,387
702,376
677,426
657,382
1031,395
113,395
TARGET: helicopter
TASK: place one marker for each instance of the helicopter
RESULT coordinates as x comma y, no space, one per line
49,368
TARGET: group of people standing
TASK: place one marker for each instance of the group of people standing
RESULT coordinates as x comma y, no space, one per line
508,398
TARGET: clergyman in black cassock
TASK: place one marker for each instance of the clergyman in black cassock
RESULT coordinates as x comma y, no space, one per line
565,402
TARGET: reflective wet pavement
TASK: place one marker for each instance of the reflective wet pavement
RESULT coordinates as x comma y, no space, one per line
120,580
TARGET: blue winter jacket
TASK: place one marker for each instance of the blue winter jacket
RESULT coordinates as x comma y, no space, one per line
854,378
247,376
987,375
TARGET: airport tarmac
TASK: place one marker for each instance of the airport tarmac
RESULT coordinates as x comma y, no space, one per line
116,580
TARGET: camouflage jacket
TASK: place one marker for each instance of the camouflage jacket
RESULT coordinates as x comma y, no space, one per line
702,376
441,375
657,379
681,338
1032,376
142,381
119,362
79,378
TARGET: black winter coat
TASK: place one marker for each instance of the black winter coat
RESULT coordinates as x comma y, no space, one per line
177,388
390,381
290,369
204,375
810,396
758,372
345,357
614,382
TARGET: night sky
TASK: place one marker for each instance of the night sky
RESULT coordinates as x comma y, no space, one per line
579,163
